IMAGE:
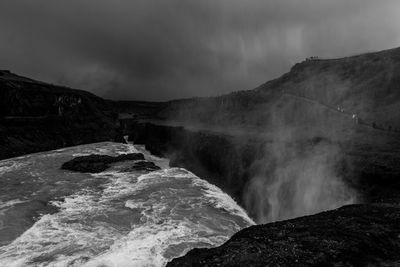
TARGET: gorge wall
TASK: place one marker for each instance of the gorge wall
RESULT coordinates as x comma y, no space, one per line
354,171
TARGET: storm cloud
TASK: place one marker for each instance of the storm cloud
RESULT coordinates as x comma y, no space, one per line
160,50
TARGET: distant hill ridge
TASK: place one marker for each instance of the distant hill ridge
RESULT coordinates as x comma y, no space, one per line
366,85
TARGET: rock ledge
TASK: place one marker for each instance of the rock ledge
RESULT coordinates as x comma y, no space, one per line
97,163
354,235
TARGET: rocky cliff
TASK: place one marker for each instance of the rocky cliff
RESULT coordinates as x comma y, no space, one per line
36,116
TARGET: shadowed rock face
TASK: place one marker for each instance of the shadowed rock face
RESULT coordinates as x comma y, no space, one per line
355,235
97,163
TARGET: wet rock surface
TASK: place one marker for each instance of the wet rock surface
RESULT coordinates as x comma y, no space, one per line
142,166
97,163
354,235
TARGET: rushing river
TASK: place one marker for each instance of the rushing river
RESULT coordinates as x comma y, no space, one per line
54,217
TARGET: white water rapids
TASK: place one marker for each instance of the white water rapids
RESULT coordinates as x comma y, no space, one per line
53,217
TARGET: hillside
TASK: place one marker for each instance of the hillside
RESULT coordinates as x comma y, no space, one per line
318,96
367,85
36,116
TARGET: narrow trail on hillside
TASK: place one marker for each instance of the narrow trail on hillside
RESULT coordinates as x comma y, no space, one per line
331,108
349,115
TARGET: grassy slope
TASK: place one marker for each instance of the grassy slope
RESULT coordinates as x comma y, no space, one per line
367,85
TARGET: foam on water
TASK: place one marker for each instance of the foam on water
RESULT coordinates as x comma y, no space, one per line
4,206
165,224
134,219
64,231
223,200
9,166
10,203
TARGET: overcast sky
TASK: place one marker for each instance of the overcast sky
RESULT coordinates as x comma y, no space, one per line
166,49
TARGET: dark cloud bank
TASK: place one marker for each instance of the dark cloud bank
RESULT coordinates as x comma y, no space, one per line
159,50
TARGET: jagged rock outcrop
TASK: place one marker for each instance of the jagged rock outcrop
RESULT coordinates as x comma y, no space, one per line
97,163
356,235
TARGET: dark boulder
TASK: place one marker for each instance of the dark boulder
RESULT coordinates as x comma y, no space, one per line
97,163
142,166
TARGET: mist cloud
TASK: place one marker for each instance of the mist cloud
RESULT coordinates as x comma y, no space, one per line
159,50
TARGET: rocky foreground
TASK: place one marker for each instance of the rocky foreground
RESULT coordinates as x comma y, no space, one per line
355,235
